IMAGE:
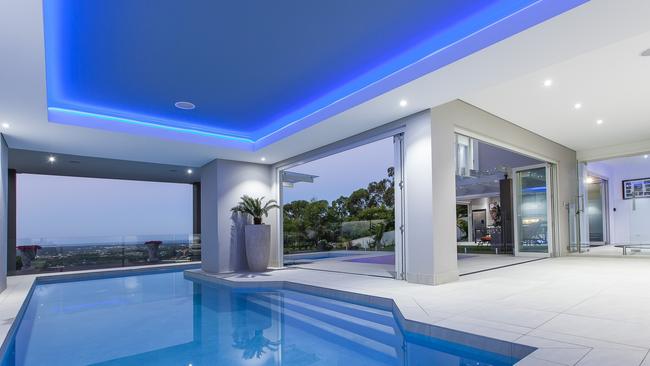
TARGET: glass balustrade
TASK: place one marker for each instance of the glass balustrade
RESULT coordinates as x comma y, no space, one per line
42,255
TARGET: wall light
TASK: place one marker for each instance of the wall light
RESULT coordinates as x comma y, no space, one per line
577,106
548,83
5,125
599,122
190,171
51,159
403,103
645,156
263,158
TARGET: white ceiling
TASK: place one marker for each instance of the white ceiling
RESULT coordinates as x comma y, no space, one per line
629,167
612,83
589,27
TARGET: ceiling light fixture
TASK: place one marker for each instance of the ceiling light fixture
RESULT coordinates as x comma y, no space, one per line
263,158
184,105
577,106
190,171
5,125
548,82
51,159
599,122
403,103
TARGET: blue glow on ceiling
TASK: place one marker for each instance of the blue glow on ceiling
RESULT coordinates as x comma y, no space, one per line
257,72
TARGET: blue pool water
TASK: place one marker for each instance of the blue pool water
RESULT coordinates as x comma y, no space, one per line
302,258
165,319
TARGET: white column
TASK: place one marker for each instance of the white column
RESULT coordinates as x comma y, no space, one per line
4,211
430,200
223,182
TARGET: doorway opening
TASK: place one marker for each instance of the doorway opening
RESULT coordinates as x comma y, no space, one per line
340,211
504,205
614,207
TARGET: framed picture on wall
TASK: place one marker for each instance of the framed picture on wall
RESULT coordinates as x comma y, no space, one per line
636,188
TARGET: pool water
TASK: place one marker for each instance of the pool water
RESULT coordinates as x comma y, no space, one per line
165,319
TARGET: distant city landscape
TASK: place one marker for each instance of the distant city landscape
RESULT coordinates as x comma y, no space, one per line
49,257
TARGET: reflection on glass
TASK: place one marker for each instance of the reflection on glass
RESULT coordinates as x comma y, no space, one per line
532,220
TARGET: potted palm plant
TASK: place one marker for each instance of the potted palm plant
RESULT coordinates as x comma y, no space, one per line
258,235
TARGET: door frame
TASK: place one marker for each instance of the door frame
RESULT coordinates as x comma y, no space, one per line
550,210
399,207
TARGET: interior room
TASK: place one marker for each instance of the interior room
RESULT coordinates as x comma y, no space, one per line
485,201
615,216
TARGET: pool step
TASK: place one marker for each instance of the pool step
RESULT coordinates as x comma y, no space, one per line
335,331
377,331
375,315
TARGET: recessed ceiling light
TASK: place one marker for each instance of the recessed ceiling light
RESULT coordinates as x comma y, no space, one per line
184,105
190,171
5,125
403,103
263,158
51,159
646,53
577,106
548,82
599,122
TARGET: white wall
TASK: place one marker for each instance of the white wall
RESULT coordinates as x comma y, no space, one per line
4,196
626,224
223,182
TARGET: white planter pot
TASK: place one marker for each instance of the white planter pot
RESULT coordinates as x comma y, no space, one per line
258,246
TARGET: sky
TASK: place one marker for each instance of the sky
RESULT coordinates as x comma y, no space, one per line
341,174
72,209
63,208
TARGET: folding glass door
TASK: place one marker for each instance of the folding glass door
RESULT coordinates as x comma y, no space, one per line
533,210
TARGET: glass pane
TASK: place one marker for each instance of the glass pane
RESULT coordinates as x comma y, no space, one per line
532,221
595,211
339,211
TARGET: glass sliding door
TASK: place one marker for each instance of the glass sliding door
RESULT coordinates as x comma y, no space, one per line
533,208
597,210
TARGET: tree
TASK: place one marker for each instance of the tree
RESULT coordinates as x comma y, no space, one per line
317,221
358,201
340,208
